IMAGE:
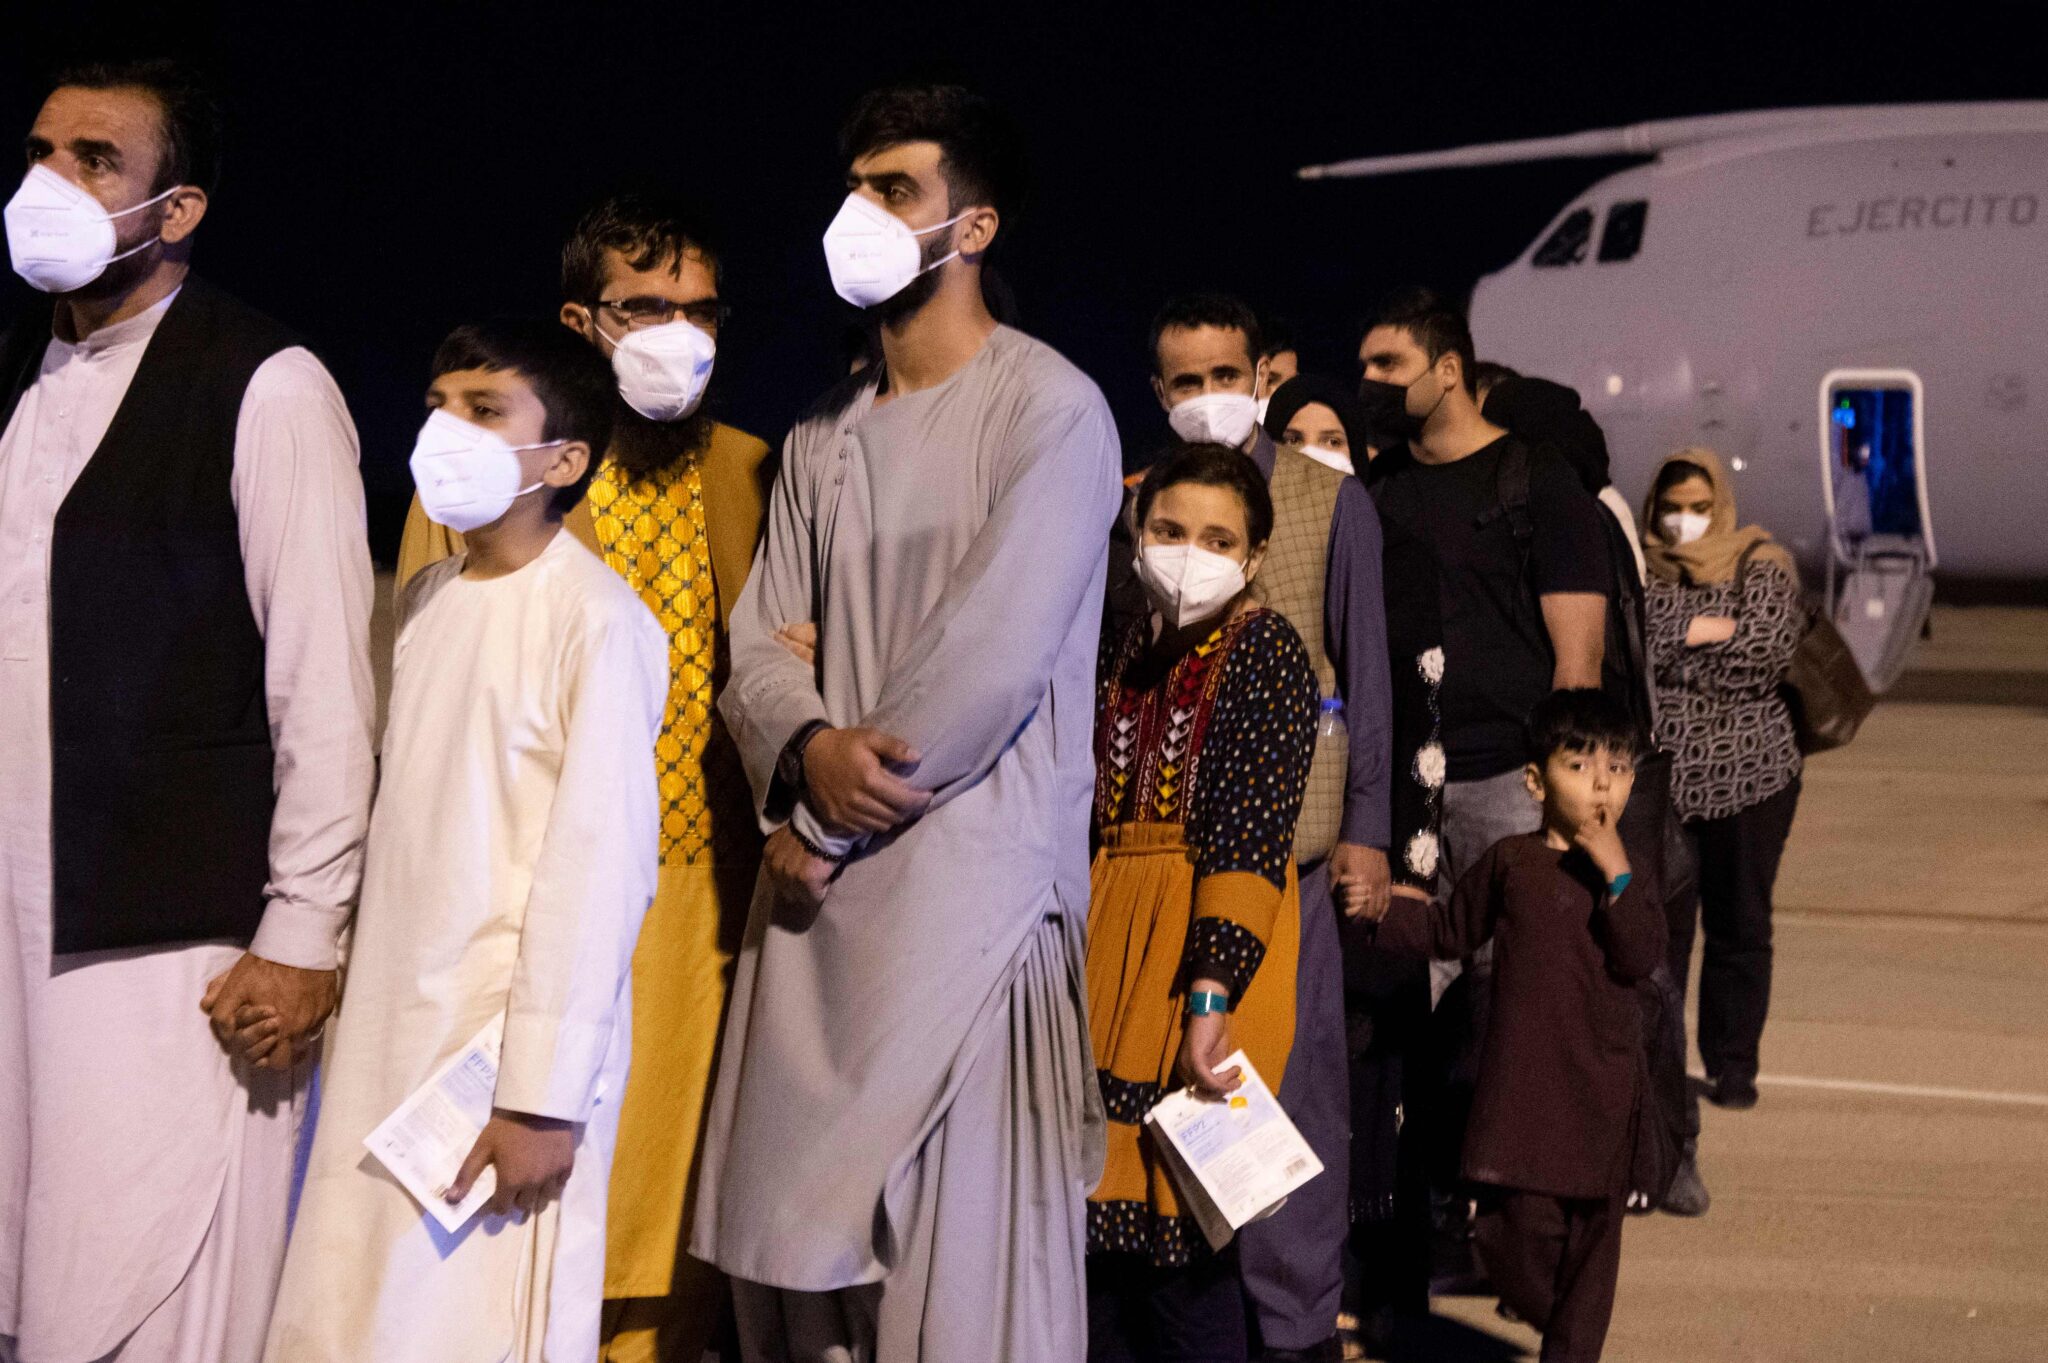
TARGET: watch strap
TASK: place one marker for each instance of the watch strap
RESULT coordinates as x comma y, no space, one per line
790,767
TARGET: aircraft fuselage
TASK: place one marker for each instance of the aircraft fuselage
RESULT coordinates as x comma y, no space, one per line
1756,268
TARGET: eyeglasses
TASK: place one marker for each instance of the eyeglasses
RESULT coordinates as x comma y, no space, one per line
706,314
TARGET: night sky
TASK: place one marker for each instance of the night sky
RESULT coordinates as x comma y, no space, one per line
392,172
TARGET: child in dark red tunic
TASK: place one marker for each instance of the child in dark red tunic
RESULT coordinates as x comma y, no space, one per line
1550,1135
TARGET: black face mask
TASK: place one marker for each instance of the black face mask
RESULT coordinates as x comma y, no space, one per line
1386,414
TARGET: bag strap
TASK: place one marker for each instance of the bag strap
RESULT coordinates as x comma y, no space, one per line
1630,600
1511,485
1511,504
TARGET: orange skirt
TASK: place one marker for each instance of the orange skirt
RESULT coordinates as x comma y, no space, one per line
1141,899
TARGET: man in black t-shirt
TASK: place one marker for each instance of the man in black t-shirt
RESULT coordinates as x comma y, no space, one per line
1523,575
1524,586
1522,617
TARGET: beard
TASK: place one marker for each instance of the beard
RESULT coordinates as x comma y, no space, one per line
918,292
643,447
122,276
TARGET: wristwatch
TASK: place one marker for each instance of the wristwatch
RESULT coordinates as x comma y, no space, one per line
789,763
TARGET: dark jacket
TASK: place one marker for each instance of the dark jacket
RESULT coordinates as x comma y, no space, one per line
1557,1086
162,770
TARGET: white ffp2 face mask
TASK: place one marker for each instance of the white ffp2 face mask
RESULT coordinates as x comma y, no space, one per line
1683,527
873,254
59,237
1215,418
1329,458
466,476
1188,583
663,371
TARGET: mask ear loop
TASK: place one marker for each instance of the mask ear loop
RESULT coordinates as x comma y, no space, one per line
1441,394
152,241
938,227
935,227
135,251
145,203
539,446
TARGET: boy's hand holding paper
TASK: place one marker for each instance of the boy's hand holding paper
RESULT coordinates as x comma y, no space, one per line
531,1156
426,1141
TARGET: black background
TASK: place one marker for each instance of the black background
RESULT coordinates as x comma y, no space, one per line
394,170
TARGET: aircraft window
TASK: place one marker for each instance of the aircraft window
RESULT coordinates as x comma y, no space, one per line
1567,245
1623,235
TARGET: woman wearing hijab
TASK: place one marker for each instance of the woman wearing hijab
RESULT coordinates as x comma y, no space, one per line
1321,417
1724,620
1386,998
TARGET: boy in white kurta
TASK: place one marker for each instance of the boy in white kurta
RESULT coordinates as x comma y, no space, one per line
512,854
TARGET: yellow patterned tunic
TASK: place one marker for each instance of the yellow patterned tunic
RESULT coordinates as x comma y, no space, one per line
652,534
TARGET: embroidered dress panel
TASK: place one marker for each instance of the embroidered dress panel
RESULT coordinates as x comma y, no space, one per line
1151,746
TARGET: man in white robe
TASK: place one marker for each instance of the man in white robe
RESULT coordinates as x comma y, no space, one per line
512,855
906,1123
144,1174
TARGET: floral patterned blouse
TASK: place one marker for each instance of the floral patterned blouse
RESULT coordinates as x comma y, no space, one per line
1720,712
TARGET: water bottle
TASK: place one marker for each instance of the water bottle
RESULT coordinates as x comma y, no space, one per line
1330,722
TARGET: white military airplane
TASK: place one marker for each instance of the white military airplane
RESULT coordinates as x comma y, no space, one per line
1849,304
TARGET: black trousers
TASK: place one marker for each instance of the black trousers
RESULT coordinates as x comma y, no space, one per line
1738,872
1387,1256
1140,1313
1554,1261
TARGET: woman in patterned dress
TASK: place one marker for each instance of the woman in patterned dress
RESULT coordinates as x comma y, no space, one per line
1724,620
1205,726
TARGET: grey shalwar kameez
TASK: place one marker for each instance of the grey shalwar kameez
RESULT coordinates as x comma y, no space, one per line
906,1122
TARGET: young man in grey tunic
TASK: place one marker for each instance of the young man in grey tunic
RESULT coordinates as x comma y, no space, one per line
906,1123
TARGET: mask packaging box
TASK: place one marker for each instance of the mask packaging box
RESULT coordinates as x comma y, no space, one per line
1233,1160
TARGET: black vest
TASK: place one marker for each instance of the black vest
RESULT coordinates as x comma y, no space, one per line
161,783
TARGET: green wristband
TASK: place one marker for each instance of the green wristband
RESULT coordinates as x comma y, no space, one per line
1618,884
1203,1002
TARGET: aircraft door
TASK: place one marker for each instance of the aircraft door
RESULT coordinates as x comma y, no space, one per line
1880,536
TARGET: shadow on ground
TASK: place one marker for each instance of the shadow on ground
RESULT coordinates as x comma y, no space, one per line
2022,690
1439,1339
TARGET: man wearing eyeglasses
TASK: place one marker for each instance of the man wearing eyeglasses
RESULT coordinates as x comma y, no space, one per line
676,509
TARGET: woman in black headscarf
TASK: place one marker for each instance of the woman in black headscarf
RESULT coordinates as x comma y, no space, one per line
1321,416
1386,999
